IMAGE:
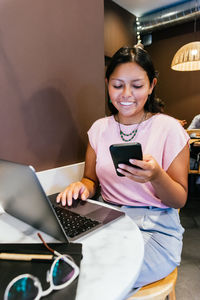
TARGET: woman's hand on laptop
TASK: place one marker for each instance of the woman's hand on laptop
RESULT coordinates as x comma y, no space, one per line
73,191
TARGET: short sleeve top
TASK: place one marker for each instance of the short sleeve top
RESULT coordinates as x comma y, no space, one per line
160,136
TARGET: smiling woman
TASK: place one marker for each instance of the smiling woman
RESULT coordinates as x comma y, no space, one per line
151,193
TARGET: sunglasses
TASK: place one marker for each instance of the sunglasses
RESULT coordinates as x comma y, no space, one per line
28,287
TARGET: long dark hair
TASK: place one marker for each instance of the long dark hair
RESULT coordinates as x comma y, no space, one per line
140,56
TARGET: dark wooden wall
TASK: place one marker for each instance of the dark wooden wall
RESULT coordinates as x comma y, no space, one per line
118,28
51,79
179,90
118,32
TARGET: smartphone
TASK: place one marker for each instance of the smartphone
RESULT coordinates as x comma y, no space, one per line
121,153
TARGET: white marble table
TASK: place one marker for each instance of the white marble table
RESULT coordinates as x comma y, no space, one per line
112,257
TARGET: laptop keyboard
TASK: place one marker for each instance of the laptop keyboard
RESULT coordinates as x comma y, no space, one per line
73,223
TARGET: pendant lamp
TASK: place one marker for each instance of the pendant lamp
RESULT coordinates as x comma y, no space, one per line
187,58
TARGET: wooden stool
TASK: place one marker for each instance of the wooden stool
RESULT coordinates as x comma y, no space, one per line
158,290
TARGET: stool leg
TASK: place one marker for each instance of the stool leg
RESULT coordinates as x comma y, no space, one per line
172,294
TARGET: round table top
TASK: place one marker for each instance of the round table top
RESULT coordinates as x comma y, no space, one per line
112,256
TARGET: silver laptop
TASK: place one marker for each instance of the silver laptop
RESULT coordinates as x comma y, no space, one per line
22,196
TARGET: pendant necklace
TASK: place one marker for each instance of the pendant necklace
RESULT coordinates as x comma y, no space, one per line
130,136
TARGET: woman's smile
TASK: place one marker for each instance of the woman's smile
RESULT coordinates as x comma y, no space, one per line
123,103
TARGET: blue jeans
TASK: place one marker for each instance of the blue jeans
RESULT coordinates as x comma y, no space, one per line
162,234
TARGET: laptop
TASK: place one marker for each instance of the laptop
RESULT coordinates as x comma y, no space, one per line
22,196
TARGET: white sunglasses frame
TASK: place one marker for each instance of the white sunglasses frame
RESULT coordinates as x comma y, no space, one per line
37,283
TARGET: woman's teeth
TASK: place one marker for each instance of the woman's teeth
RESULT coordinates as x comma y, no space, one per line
126,103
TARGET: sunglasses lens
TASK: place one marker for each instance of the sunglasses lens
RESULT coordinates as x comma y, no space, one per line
23,289
62,272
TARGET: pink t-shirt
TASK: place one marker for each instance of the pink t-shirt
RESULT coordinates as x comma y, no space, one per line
160,136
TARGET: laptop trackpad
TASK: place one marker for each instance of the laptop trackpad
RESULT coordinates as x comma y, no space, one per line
95,211
104,214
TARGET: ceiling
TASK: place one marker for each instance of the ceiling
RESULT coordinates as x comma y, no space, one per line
141,7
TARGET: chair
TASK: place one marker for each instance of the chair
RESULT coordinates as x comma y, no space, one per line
194,143
158,290
194,157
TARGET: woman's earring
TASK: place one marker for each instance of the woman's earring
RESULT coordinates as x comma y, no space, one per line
110,101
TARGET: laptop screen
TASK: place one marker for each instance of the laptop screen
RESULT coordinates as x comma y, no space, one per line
22,196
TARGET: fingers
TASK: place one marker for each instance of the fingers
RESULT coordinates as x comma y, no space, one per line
132,173
76,191
73,191
148,169
136,165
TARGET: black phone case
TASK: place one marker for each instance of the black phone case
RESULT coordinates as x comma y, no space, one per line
121,153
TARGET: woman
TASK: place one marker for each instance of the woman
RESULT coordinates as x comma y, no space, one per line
151,194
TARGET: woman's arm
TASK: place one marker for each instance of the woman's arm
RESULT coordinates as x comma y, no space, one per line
85,188
170,186
89,177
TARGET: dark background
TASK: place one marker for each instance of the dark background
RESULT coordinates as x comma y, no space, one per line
51,79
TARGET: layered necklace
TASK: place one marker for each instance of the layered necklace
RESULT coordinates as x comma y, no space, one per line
127,137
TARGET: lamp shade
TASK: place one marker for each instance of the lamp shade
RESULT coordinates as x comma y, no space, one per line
187,58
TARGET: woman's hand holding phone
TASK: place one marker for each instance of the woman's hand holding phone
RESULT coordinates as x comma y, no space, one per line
147,169
130,162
